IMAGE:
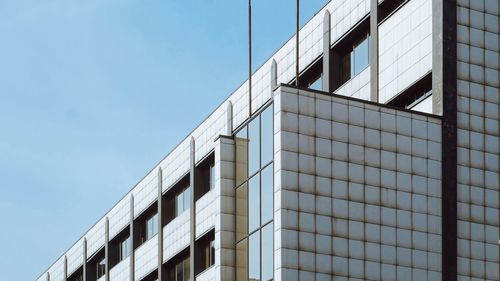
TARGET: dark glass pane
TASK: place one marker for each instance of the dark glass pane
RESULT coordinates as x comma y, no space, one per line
267,135
254,256
361,56
346,67
267,252
353,63
241,261
179,204
241,156
241,212
186,269
212,177
316,84
180,274
253,203
266,194
187,198
212,252
253,146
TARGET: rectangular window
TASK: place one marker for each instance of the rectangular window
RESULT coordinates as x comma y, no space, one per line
124,248
179,271
101,267
151,227
267,136
208,253
254,256
212,176
253,146
267,252
179,206
241,211
356,59
241,261
254,203
266,194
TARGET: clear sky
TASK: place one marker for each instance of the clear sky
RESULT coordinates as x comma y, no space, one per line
94,93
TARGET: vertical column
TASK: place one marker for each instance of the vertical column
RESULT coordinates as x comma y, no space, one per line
326,52
132,239
65,268
274,79
192,212
229,116
84,259
106,249
160,226
374,50
47,277
225,166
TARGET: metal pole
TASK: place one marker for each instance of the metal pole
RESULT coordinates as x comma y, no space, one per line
297,47
249,58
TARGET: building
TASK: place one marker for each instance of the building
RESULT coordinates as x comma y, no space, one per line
382,165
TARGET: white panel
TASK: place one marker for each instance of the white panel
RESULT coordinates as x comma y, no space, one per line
75,257
102,278
205,213
357,87
119,217
145,192
207,275
211,128
424,106
405,46
95,237
176,235
345,14
146,258
121,271
56,271
176,164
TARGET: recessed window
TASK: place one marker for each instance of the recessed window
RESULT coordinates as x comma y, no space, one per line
182,200
207,248
356,59
101,267
179,271
151,226
124,249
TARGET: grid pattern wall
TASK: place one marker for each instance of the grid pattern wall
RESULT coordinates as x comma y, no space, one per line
121,271
206,132
119,217
358,190
56,271
207,275
176,235
205,213
176,164
146,258
95,237
405,48
478,139
224,267
358,87
74,257
145,193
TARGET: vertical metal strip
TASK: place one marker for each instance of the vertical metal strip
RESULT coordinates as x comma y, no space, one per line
84,259
132,239
192,212
374,50
160,226
106,249
326,52
297,41
249,58
65,268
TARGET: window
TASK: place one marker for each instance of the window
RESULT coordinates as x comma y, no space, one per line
356,59
212,176
208,254
124,249
206,170
182,200
180,271
254,199
101,267
151,227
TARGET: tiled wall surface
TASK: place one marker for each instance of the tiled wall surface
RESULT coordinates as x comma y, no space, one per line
121,271
205,213
357,190
75,256
405,48
57,271
478,139
176,236
96,237
358,87
146,258
119,217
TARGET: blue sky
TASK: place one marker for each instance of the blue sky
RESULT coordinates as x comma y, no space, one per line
94,93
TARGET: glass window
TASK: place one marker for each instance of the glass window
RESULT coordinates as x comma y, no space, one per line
101,267
186,269
253,203
179,204
266,194
241,261
317,84
254,256
361,56
187,198
180,271
208,251
267,135
124,248
151,226
253,146
212,176
346,67
267,252
241,211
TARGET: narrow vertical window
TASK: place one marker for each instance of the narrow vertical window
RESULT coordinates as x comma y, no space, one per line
254,256
254,203
266,194
253,146
267,252
267,135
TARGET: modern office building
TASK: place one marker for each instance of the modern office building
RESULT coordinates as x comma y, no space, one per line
382,164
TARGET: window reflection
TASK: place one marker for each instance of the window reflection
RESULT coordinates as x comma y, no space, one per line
267,252
357,59
254,256
267,136
241,261
267,192
241,212
253,203
241,156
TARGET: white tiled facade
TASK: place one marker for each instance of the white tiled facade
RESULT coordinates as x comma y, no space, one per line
357,183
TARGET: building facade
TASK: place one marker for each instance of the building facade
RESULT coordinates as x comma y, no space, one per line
382,164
